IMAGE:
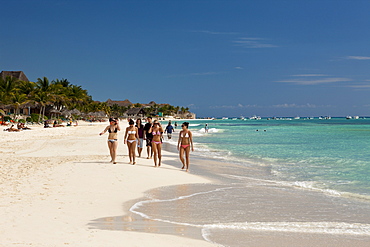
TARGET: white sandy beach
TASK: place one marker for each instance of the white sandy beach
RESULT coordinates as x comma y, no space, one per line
55,181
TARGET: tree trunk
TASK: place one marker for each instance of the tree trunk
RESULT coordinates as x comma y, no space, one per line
40,114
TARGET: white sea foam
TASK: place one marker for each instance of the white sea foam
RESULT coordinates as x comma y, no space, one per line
202,132
297,227
136,206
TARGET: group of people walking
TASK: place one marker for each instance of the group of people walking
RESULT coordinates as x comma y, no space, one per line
152,133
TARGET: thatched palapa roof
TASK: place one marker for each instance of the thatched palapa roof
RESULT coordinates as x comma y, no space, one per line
135,111
16,74
125,102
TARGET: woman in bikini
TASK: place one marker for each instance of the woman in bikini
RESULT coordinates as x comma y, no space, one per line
112,129
184,145
157,132
132,138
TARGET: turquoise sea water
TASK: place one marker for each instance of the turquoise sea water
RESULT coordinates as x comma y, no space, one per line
329,154
254,200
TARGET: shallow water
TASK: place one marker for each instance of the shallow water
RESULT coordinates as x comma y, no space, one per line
242,204
327,154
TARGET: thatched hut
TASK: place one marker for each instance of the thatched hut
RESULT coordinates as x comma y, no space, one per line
124,103
137,112
15,74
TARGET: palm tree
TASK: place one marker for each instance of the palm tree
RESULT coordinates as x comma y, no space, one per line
17,100
46,94
43,99
27,88
8,88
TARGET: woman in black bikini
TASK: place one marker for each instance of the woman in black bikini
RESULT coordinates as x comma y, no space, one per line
131,138
157,133
184,145
112,129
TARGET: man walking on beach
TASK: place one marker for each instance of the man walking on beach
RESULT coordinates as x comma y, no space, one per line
148,137
169,130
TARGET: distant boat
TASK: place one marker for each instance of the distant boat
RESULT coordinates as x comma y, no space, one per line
255,117
356,117
297,118
348,117
234,118
225,118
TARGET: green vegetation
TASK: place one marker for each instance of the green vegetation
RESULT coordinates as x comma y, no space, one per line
63,95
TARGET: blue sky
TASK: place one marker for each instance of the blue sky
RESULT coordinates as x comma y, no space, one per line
220,58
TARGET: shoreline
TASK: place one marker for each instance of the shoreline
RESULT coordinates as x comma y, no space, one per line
60,193
316,220
56,181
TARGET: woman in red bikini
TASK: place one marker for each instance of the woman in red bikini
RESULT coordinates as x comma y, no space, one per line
132,138
184,145
157,133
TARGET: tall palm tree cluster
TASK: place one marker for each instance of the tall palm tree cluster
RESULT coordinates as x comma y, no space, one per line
60,94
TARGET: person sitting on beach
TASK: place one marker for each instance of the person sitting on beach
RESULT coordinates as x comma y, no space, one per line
169,129
55,124
112,129
21,126
46,124
157,132
131,138
185,143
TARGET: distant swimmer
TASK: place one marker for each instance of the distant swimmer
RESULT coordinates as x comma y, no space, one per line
112,129
185,144
206,128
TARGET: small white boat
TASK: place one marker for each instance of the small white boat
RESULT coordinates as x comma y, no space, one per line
255,117
225,118
348,117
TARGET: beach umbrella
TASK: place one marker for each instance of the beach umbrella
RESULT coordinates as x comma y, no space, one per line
75,112
66,113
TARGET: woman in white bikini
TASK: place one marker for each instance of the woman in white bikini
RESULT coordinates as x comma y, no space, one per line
157,133
184,145
112,129
132,138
